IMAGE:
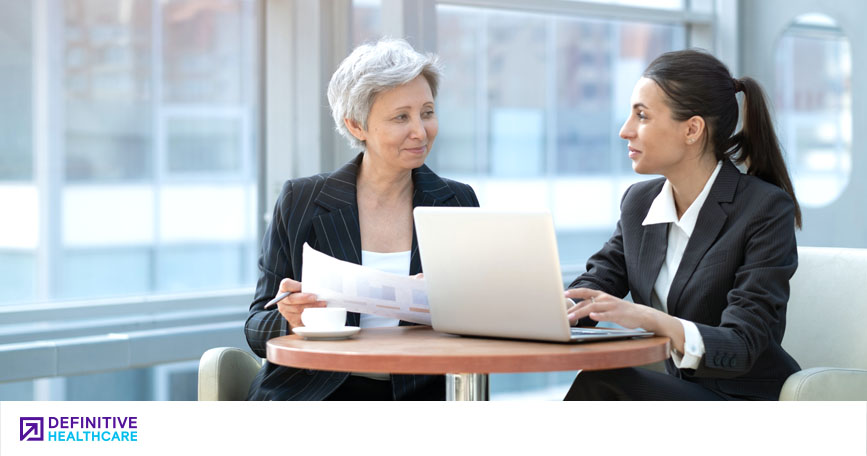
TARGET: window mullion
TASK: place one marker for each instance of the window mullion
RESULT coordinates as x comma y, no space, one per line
48,134
158,144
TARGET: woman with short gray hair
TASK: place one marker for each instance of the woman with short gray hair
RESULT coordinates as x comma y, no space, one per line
370,70
382,99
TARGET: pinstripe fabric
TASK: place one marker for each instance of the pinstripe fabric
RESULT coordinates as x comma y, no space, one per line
733,281
322,211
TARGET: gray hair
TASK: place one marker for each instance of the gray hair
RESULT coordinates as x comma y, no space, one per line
370,70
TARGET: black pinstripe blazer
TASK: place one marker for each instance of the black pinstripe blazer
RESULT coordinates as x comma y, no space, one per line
733,281
322,211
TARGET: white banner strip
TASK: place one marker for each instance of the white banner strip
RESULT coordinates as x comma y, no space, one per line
97,428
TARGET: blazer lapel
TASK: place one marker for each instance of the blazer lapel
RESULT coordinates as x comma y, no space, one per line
654,243
337,230
710,221
338,234
429,190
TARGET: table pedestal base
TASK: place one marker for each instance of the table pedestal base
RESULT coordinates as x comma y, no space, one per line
467,387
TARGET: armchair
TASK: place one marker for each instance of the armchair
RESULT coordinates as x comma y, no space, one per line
825,325
225,374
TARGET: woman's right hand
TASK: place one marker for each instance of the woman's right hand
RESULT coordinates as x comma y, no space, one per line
291,306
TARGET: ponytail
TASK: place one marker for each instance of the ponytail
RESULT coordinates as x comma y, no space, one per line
697,83
758,144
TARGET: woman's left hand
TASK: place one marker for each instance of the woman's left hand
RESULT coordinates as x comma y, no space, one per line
601,306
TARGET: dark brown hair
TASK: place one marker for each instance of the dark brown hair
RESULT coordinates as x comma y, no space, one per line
697,84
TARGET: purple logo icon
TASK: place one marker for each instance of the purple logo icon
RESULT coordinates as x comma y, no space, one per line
31,428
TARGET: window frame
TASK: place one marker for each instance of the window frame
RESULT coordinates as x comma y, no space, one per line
79,337
55,338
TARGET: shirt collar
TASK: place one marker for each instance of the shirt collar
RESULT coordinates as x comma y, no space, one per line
663,210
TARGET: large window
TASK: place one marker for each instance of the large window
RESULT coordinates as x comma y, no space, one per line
128,147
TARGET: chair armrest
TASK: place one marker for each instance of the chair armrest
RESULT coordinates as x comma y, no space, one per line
225,374
826,384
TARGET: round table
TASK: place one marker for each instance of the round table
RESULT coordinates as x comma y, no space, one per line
466,361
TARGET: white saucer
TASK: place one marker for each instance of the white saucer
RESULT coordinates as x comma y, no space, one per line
326,334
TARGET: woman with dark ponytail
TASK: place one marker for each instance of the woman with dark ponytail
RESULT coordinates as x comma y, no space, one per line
706,251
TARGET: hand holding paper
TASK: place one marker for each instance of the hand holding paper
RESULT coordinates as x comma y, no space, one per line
364,290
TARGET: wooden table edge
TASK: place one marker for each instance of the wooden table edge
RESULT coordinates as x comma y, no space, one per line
565,357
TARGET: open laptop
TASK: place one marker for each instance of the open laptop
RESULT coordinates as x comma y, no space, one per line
497,274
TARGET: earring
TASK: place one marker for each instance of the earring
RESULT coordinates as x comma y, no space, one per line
690,140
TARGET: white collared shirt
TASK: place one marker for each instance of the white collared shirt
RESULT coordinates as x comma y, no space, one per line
663,210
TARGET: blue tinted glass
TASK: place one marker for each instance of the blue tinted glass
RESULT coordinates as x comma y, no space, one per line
16,76
204,145
200,267
104,272
17,276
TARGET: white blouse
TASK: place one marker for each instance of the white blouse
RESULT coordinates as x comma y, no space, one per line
395,263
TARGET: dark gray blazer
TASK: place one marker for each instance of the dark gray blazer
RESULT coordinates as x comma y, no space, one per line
322,210
733,281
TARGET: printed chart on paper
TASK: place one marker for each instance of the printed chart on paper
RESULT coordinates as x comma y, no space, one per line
364,290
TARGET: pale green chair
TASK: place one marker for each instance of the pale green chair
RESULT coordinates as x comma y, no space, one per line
825,326
225,374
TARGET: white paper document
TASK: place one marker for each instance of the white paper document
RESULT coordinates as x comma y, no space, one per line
364,290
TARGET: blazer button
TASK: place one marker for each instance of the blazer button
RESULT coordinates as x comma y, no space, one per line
732,362
716,359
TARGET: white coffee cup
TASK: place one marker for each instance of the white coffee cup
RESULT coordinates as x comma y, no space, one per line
324,318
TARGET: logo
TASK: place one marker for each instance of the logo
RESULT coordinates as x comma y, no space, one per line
31,428
79,428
